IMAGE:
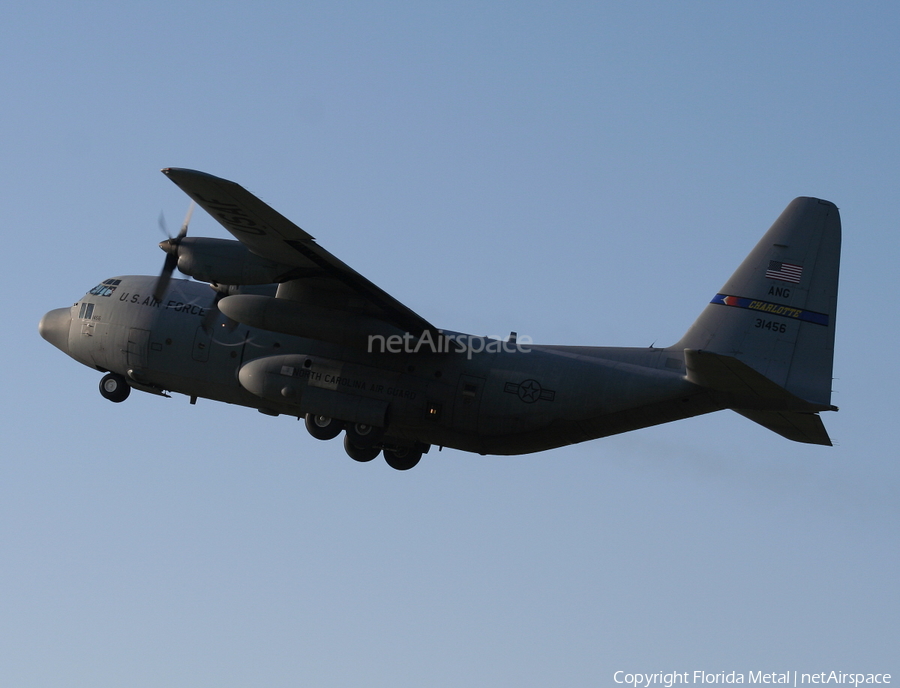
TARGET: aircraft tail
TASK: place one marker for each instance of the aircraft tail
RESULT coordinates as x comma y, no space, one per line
765,343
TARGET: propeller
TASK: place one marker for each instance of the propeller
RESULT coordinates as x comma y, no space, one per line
170,246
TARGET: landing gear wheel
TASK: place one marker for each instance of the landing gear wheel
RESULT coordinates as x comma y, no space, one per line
364,435
323,427
114,387
402,459
361,454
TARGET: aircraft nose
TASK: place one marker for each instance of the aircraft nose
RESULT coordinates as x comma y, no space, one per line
54,327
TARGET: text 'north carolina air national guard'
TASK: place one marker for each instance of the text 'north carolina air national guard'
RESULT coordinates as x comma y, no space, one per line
289,329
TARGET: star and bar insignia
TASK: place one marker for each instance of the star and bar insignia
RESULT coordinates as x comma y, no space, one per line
530,391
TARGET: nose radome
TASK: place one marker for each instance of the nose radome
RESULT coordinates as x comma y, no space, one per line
54,327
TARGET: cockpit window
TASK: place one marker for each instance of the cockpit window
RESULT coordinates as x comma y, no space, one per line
87,311
106,288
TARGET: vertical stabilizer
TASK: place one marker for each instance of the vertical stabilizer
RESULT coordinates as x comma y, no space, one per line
776,314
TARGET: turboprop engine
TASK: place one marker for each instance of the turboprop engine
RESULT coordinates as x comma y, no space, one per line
304,320
218,261
223,261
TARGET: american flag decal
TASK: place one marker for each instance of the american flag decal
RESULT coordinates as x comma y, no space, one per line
786,272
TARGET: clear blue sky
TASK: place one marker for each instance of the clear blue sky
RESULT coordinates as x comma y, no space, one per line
584,173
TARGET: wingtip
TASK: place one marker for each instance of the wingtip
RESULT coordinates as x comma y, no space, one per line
177,170
168,171
184,172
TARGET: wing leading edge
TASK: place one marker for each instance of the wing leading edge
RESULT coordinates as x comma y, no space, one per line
267,233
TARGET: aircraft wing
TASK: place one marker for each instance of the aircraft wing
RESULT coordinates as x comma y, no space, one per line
267,233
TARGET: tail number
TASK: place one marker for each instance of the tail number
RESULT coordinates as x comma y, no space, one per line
771,325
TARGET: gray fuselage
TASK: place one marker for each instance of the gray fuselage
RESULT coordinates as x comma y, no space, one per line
488,396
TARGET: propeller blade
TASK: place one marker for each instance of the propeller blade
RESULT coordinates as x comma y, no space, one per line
162,225
187,219
162,283
170,246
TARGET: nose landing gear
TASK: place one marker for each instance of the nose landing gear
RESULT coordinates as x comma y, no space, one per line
114,387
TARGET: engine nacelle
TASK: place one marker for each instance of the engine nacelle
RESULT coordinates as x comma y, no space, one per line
305,320
226,261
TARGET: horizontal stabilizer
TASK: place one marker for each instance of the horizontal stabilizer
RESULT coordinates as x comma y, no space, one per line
800,427
740,386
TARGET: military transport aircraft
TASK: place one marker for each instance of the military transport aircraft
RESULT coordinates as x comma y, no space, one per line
287,328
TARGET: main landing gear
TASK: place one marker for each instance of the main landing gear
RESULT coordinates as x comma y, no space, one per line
323,427
114,387
363,442
402,459
357,453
